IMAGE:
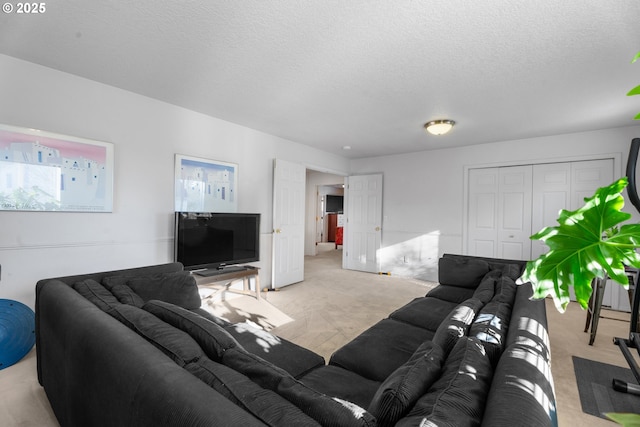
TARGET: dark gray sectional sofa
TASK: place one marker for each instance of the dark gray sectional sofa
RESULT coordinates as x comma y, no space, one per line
134,348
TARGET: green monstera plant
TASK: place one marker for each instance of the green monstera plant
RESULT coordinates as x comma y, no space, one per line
589,242
635,90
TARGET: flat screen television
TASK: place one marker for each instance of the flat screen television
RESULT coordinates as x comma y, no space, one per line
334,204
211,240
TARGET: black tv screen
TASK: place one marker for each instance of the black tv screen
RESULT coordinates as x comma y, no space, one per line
209,240
334,203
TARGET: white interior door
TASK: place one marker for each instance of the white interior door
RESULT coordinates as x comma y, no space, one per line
288,223
363,225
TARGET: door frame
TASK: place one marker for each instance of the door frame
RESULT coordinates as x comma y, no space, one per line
617,171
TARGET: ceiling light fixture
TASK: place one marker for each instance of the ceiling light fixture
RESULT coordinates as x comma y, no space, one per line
439,127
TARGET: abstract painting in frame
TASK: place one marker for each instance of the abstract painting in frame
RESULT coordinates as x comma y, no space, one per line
203,185
44,171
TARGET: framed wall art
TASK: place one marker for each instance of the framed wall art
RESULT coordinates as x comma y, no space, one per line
203,185
43,171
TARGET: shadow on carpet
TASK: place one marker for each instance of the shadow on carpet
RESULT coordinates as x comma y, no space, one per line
597,395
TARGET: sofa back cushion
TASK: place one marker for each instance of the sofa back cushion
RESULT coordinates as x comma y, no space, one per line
100,296
123,292
458,397
456,325
267,406
96,293
491,327
328,411
487,288
463,272
400,391
212,338
178,288
173,342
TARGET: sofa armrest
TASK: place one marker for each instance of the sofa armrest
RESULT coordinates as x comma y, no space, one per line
95,371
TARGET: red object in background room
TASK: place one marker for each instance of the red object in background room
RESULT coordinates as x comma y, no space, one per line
339,236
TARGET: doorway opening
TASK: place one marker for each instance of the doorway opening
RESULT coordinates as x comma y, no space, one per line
324,215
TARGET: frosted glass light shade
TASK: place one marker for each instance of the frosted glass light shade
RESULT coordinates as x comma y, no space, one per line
439,127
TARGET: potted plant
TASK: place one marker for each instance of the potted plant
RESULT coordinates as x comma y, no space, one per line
588,243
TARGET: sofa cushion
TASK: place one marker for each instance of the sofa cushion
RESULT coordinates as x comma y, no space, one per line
346,385
213,339
293,358
381,349
456,325
490,327
400,391
463,272
458,397
328,411
264,404
178,287
173,342
450,293
425,312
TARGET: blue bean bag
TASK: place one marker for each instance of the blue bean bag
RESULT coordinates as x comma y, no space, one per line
17,331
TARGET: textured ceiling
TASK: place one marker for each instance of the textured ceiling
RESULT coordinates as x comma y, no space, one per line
368,74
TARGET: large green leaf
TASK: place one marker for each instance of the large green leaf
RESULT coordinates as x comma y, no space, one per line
626,420
579,250
634,91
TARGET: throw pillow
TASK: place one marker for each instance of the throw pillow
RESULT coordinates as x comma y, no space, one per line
400,391
463,272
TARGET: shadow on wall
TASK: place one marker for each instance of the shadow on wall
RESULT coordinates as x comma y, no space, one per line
416,257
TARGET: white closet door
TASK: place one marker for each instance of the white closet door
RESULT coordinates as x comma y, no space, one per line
587,177
514,212
483,212
551,193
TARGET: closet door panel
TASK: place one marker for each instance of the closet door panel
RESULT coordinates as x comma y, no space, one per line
551,193
483,212
514,213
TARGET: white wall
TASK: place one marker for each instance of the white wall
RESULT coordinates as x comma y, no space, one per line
146,134
423,192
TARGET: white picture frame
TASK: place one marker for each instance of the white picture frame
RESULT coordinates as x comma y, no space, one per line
47,172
